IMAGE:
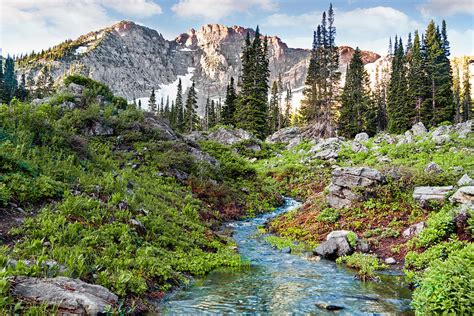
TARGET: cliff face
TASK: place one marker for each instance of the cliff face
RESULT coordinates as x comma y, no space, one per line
134,59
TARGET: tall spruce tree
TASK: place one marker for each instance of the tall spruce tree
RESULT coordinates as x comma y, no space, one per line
10,83
322,80
191,119
273,109
466,92
356,113
252,102
152,102
22,92
2,86
179,108
417,80
228,110
212,114
287,113
439,104
399,113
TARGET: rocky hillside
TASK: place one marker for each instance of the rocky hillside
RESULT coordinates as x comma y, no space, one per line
133,59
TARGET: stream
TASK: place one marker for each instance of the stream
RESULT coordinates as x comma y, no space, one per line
279,283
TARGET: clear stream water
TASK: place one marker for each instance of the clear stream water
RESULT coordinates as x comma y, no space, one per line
280,284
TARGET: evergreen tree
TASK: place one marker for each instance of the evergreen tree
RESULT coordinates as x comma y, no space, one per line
10,83
191,118
439,104
179,109
273,109
228,110
172,115
399,113
152,102
22,92
356,114
322,80
162,106
417,80
380,97
212,114
252,102
167,110
457,93
287,114
466,92
139,104
2,87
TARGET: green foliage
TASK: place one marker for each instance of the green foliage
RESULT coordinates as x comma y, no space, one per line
93,87
439,226
366,265
447,287
284,242
352,239
329,215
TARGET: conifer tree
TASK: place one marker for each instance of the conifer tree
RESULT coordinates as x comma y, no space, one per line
179,108
287,113
2,87
356,112
417,80
273,109
252,102
22,92
10,83
162,106
439,104
139,104
466,92
399,113
166,111
191,118
228,110
212,114
457,92
152,102
380,97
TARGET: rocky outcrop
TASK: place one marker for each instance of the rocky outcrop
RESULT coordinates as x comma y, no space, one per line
464,195
414,230
326,149
71,296
433,168
361,137
224,136
419,129
336,245
289,135
425,194
341,191
465,180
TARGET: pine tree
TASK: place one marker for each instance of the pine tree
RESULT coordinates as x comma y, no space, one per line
10,83
152,102
228,110
167,110
417,80
356,112
212,114
179,108
287,113
139,104
252,102
439,104
2,87
191,119
162,106
466,92
380,97
399,113
273,109
22,92
322,80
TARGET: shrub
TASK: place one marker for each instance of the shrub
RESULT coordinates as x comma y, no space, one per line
439,226
328,215
447,287
366,265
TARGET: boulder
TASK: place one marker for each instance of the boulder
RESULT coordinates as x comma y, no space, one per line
463,129
419,129
464,195
384,137
98,129
70,295
441,139
202,156
337,234
333,248
229,136
465,181
433,168
286,135
424,194
441,130
154,123
358,147
326,154
390,261
75,89
361,137
329,307
414,229
327,148
343,180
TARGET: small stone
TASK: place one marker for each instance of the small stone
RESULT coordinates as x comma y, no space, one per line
414,230
433,168
361,137
431,193
465,181
329,307
286,250
390,261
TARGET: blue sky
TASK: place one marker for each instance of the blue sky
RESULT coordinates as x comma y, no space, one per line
36,24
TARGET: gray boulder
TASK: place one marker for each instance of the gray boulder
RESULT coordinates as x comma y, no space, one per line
344,180
229,136
290,135
384,137
433,168
441,130
414,229
326,149
465,181
463,129
441,139
358,147
464,195
423,194
419,129
390,261
70,295
361,137
337,234
98,129
333,248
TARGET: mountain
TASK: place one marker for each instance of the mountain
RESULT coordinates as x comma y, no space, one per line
133,59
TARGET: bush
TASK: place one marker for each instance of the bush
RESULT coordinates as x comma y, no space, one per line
366,265
447,287
328,215
94,87
439,226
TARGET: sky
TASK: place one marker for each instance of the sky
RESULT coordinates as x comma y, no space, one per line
27,25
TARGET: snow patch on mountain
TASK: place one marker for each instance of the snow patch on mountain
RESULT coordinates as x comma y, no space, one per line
80,50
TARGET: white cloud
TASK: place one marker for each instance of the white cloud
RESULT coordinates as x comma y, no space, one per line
461,43
368,28
217,9
446,8
28,25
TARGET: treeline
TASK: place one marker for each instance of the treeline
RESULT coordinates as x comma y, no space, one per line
420,88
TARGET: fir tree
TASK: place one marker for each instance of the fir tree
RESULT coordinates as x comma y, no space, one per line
356,112
380,97
10,83
439,104
212,114
152,102
166,111
179,108
191,119
2,87
466,92
22,92
252,102
417,80
273,110
228,111
139,104
287,113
